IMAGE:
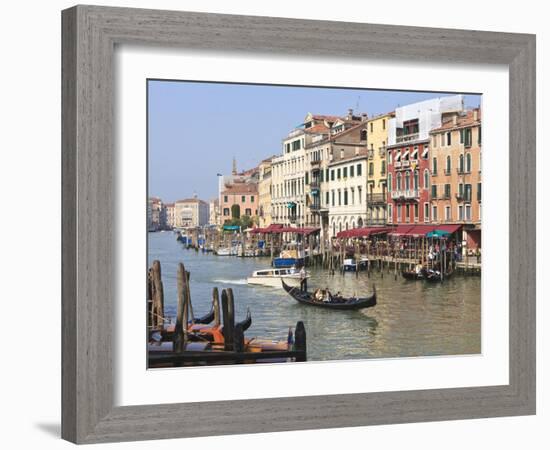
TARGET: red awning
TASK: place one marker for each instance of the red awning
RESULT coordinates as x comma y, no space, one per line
362,232
422,230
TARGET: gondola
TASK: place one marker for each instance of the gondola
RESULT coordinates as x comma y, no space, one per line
435,277
207,318
413,274
245,324
345,303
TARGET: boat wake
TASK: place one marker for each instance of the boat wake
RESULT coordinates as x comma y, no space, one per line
224,281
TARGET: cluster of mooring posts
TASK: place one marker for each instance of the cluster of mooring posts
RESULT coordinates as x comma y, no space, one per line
215,338
380,249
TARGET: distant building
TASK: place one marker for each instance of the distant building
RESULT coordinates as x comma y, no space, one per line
191,212
214,211
156,214
239,199
170,215
456,186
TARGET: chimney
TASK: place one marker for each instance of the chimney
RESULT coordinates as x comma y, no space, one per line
476,115
350,114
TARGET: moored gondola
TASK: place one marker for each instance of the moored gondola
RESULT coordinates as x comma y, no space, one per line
306,298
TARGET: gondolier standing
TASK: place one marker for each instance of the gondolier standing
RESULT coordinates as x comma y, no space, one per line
303,280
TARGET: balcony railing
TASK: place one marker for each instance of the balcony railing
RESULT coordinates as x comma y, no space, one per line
463,197
407,137
314,185
405,194
375,221
405,163
315,207
292,219
376,198
316,163
397,164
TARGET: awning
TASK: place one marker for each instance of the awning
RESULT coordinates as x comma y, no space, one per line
422,230
362,232
425,152
414,154
405,154
278,229
398,155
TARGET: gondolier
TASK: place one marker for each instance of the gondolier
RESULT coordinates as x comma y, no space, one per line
303,280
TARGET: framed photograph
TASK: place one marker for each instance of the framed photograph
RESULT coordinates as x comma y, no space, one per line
305,229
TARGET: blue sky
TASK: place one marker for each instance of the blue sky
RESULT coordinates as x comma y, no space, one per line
195,129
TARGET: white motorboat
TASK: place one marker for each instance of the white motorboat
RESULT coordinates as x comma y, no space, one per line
273,277
227,251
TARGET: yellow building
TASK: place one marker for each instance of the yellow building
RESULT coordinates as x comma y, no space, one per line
264,193
377,139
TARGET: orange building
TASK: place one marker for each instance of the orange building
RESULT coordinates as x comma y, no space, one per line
456,174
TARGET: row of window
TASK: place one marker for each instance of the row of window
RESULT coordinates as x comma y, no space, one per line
464,191
409,213
243,199
464,164
247,212
464,135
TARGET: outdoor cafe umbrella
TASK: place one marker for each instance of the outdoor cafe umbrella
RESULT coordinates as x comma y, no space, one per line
437,234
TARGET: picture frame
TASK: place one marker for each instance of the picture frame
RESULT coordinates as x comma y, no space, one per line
90,34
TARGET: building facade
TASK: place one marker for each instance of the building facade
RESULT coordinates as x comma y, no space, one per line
170,215
264,193
345,133
409,164
214,212
347,189
191,212
377,141
456,185
239,199
156,214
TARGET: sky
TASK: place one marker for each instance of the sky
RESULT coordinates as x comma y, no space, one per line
196,129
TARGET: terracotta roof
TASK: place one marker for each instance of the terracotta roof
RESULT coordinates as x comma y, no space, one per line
241,188
325,117
169,205
349,156
319,128
190,200
462,121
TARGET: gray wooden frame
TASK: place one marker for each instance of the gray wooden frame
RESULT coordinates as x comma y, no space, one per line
89,37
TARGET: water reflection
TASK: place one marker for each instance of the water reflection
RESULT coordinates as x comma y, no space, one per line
410,319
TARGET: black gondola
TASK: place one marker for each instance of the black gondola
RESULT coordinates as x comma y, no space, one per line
207,318
343,303
245,324
414,275
435,277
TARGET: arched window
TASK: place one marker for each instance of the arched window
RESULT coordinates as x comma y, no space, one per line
363,135
334,229
468,162
416,179
398,181
426,179
461,163
360,222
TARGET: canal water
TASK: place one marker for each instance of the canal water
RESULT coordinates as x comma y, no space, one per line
412,318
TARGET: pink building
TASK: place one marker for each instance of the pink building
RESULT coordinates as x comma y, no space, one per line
239,199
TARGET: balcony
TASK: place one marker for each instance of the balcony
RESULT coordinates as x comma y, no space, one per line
373,222
316,164
397,164
379,198
382,152
409,194
314,185
408,137
405,164
463,197
315,207
292,219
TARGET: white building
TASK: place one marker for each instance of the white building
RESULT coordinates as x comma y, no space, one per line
191,212
347,189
